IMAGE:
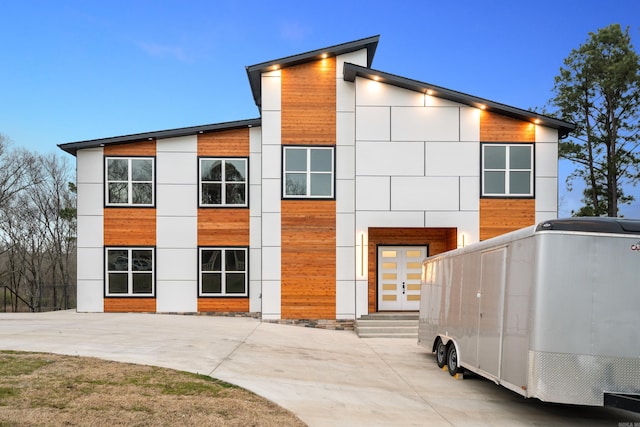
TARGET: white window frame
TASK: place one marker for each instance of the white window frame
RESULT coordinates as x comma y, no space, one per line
224,182
130,271
507,170
222,272
129,181
308,172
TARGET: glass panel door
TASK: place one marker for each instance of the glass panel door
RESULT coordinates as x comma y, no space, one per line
399,277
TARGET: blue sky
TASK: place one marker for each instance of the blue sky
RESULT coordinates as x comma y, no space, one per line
74,70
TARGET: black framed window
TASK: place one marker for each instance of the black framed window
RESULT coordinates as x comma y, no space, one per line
507,170
223,182
308,172
129,181
130,271
223,272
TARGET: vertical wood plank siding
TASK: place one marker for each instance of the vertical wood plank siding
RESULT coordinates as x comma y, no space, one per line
229,143
143,148
308,269
438,239
308,289
499,216
130,305
223,227
308,103
223,305
498,128
130,227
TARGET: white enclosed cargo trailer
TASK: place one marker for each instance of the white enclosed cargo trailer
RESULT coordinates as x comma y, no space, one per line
550,311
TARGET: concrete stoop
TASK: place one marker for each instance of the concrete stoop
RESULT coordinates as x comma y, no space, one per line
388,325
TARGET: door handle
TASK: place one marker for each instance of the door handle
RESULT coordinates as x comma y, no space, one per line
402,288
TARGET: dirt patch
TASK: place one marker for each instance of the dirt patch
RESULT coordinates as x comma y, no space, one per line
53,390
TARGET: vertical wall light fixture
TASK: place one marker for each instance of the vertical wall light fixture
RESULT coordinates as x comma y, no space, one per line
361,254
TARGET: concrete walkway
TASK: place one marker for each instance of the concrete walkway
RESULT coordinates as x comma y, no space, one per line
327,378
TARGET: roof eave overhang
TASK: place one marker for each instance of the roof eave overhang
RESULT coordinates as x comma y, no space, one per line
254,72
73,147
351,71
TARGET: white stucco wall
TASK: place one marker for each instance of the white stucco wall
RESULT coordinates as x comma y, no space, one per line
90,183
417,160
546,166
177,224
255,220
270,183
345,188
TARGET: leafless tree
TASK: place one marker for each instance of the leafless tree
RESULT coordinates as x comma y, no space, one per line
37,227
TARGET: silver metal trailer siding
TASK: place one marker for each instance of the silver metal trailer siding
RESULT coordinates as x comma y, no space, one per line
550,311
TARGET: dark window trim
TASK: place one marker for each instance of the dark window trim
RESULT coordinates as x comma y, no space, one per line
247,265
247,180
282,173
105,183
533,171
104,271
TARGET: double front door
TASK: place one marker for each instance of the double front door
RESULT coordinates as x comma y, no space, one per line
399,277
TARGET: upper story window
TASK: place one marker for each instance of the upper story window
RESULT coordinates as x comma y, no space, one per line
308,172
223,182
129,272
507,170
129,181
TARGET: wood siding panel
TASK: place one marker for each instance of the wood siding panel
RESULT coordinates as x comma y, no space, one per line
143,148
223,227
438,239
223,305
498,128
308,288
129,226
499,216
230,143
309,103
130,305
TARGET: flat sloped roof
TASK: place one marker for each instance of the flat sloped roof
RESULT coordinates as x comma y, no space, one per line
254,72
351,71
73,147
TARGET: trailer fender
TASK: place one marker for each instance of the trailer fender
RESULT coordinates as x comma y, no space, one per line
434,345
445,340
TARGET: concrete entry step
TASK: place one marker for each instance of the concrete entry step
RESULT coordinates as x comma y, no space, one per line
391,315
387,325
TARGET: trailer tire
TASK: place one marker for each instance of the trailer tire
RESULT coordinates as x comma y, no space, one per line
452,360
441,353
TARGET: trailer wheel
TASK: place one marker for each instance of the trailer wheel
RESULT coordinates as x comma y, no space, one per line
452,360
441,354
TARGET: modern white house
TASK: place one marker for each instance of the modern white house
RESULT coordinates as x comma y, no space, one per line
323,207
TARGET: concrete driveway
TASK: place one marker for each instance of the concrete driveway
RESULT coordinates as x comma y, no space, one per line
327,378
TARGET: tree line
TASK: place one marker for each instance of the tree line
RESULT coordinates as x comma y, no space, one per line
37,230
598,89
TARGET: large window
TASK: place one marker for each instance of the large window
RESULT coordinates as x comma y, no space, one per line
223,182
130,272
223,272
129,181
507,170
308,172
